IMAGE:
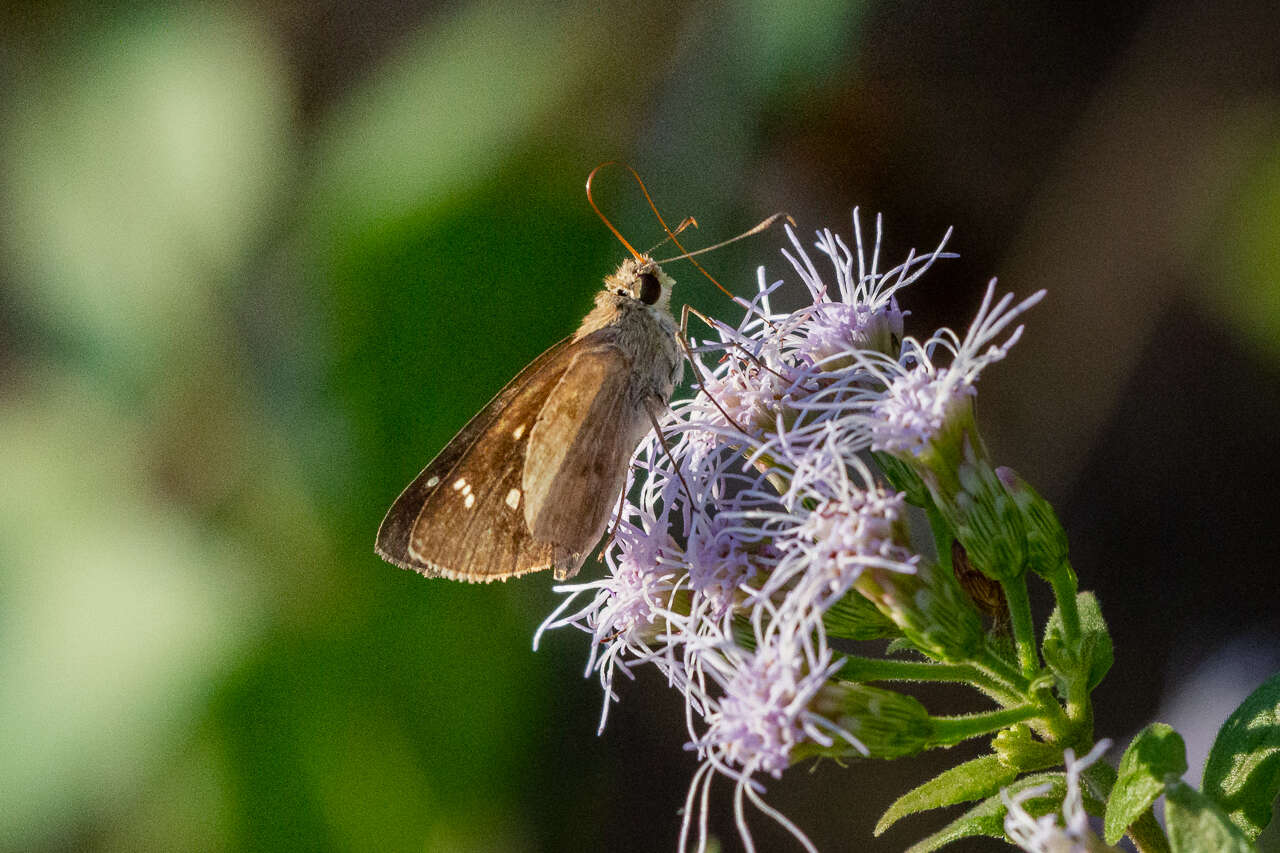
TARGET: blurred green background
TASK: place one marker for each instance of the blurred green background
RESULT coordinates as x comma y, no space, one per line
259,261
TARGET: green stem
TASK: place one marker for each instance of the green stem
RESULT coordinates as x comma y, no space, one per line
993,665
1079,708
1065,588
880,669
999,680
1054,724
1024,631
1058,725
949,731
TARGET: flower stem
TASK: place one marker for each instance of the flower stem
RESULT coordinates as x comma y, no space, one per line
1024,631
1002,673
1065,589
949,731
879,669
1054,723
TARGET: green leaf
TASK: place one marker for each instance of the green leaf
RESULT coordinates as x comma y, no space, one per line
1243,771
1156,752
987,817
971,780
1093,658
1197,825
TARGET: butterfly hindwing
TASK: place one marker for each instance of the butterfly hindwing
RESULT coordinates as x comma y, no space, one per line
462,517
571,488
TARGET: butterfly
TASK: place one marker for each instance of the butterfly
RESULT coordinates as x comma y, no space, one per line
530,482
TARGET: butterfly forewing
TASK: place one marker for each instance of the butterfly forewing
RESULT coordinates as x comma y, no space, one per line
463,516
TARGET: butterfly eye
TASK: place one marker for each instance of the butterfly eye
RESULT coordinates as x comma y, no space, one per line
650,290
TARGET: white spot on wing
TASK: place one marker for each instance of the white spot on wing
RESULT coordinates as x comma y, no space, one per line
432,482
519,432
513,498
469,501
459,483
466,490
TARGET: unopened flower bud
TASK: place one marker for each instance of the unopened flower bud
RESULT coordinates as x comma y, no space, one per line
986,521
886,723
929,608
1046,540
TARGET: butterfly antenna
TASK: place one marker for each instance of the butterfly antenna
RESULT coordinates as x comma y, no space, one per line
688,221
591,177
671,235
756,229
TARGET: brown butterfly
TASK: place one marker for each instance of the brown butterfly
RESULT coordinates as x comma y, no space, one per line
529,483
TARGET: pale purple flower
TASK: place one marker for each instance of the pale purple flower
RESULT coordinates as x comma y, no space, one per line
722,562
629,614
921,397
834,520
757,711
863,313
862,527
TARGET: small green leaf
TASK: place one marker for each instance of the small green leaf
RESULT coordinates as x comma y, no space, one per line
1243,771
1094,655
1197,825
987,817
1156,752
971,780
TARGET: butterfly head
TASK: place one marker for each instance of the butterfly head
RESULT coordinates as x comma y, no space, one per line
639,281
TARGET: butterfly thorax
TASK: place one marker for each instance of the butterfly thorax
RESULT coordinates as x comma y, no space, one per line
644,331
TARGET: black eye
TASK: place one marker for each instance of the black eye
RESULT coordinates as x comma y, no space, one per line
650,290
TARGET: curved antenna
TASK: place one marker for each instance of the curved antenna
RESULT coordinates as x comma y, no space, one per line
671,235
591,177
756,229
689,221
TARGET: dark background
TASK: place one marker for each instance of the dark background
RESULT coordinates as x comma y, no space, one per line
260,261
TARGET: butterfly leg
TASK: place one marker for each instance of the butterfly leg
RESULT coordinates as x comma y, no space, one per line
698,367
617,519
653,406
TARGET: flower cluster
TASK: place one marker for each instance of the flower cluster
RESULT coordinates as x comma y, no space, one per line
771,521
